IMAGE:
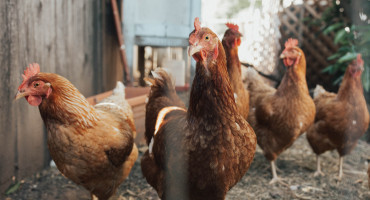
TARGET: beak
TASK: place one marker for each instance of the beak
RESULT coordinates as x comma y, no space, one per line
194,49
20,95
282,55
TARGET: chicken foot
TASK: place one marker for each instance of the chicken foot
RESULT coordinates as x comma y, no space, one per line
275,178
318,168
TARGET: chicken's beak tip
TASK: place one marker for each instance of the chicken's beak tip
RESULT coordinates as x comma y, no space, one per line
19,95
193,49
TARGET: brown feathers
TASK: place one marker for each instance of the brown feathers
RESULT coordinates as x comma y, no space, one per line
202,152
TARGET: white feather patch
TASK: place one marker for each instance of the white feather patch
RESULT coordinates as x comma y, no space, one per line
120,87
151,145
161,115
237,126
106,104
318,90
156,75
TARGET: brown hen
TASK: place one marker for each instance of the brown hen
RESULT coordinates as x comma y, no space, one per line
231,41
91,145
202,152
341,119
279,116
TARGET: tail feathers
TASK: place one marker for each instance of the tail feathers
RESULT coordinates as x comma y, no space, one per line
162,94
318,91
252,75
117,99
118,95
161,79
255,83
119,89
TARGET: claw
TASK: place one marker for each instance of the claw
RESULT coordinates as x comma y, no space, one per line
318,173
275,178
278,180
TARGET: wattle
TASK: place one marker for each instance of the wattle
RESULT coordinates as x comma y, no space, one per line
34,100
288,62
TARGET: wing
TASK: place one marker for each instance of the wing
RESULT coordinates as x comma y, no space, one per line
167,153
120,132
118,98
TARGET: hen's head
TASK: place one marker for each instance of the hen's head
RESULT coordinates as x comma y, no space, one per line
33,88
232,36
203,43
292,54
356,67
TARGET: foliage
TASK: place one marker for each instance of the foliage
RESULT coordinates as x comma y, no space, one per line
12,188
238,5
351,39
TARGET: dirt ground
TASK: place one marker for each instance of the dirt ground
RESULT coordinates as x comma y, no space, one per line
296,166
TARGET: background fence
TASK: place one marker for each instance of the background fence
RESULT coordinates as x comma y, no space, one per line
296,22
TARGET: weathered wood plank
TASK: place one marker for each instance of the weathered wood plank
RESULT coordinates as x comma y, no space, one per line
7,108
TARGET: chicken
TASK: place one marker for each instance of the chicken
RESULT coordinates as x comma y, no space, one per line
162,94
230,42
279,116
91,145
202,152
341,119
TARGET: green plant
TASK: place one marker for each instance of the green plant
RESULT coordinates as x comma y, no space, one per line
351,39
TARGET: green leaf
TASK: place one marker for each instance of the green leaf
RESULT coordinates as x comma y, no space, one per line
338,80
340,36
344,49
327,69
334,56
332,27
13,188
349,56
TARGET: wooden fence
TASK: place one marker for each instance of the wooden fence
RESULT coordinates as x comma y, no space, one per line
72,38
316,46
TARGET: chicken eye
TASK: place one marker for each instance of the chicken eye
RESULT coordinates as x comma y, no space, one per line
207,37
36,84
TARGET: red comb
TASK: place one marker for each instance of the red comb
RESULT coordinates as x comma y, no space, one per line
290,43
197,24
233,26
359,59
31,70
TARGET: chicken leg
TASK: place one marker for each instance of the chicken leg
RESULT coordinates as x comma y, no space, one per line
93,197
275,178
318,168
340,168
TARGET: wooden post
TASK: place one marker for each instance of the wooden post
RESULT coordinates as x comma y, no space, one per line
141,64
117,22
